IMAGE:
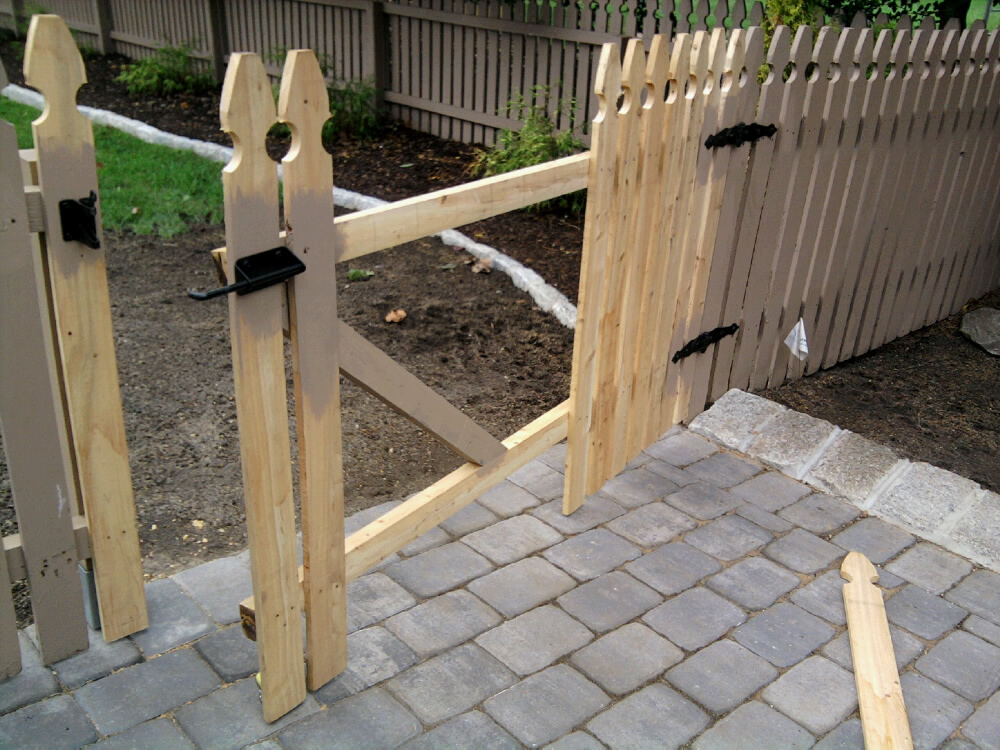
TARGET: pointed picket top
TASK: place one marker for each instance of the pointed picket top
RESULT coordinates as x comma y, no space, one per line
247,112
927,23
780,52
717,54
53,65
757,13
633,77
802,48
303,104
657,70
753,55
607,82
825,49
857,567
735,61
899,55
680,66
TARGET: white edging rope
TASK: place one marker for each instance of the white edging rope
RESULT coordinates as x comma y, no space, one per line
546,297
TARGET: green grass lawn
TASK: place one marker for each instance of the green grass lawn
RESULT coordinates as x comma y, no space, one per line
148,189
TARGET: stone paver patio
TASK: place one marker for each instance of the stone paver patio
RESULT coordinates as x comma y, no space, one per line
695,601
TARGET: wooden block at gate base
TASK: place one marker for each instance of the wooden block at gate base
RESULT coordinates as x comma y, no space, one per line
880,695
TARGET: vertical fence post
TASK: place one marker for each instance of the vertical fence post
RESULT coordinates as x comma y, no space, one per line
64,142
218,37
102,14
375,63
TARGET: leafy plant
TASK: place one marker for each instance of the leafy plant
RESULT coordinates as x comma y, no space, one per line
535,142
359,274
170,70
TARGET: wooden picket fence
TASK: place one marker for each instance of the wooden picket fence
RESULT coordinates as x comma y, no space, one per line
60,409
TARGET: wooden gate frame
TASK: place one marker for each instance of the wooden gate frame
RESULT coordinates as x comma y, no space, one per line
60,406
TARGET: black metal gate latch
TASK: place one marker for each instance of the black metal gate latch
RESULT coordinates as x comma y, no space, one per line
258,271
739,134
78,217
700,343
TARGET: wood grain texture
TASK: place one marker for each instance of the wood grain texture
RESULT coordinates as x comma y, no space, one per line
66,170
880,695
250,186
303,104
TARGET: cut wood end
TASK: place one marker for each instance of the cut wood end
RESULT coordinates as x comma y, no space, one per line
51,58
857,567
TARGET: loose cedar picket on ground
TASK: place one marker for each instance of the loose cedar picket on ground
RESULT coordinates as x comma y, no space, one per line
66,170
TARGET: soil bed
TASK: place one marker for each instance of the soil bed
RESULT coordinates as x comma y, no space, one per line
932,396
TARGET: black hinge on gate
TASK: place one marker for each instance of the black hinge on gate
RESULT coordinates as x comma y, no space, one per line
739,134
702,341
78,217
258,271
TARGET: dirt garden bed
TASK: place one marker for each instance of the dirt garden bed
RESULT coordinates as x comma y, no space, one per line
932,395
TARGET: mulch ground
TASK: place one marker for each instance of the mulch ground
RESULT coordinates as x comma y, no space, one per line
931,396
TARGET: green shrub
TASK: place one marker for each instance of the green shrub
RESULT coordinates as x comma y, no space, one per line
536,142
171,70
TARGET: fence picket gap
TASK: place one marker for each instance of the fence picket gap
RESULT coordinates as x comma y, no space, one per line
303,104
64,143
250,187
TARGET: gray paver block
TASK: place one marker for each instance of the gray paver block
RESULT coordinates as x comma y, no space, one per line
791,442
673,567
722,676
158,734
439,569
374,655
934,712
980,594
735,419
681,449
978,529
133,695
31,684
232,716
923,497
704,501
824,597
451,683
803,552
100,659
655,716
874,538
852,467
510,540
524,585
592,553
983,628
230,653
983,727
763,518
770,491
374,597
507,499
472,729
956,743
429,540
905,648
695,618
783,634
754,725
930,567
174,618
754,583
965,664
534,640
56,722
219,586
576,741
923,613
816,694
820,513
555,457
470,518
626,658
371,719
442,622
724,469
729,538
680,477
540,480
596,510
546,705
848,736
632,489
652,525
609,601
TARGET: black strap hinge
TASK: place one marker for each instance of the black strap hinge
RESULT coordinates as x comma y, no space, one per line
700,343
78,217
739,134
